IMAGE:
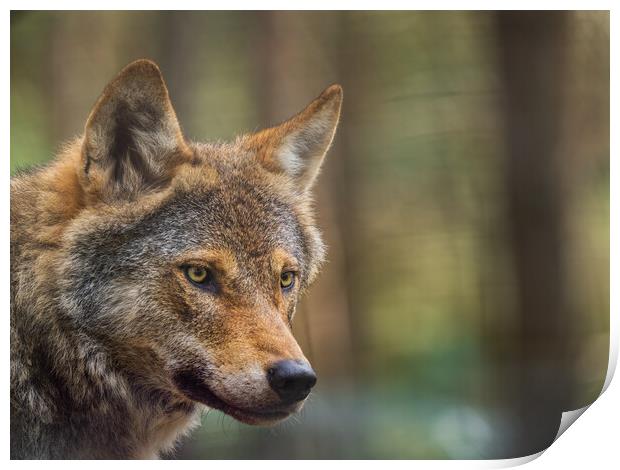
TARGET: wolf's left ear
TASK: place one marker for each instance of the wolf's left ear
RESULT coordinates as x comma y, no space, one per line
132,140
297,146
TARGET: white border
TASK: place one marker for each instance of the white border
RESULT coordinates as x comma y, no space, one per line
591,442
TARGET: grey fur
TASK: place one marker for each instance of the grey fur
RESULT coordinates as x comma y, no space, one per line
105,332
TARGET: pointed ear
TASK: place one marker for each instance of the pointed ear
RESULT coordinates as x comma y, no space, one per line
132,141
297,147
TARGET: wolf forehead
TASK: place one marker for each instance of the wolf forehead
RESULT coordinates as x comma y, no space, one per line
240,213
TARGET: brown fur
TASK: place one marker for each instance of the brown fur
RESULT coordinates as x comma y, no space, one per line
114,352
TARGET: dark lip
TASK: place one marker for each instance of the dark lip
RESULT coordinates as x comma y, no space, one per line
190,384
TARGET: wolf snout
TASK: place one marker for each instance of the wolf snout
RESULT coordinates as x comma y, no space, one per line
291,380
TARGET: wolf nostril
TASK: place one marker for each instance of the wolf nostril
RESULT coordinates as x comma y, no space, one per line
291,380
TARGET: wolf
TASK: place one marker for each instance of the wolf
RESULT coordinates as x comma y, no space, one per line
153,277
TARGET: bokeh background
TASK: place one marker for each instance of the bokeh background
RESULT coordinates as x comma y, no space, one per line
465,204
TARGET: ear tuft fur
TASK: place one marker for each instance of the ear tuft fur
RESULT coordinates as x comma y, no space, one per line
132,139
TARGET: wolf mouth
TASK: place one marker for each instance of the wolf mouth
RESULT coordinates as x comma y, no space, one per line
192,386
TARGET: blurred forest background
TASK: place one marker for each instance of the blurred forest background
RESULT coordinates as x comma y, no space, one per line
465,205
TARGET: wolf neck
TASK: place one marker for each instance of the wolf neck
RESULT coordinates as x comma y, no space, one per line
78,404
68,399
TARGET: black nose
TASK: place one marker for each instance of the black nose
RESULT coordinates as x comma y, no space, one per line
291,380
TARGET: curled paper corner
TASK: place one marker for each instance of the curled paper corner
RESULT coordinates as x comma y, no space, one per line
568,418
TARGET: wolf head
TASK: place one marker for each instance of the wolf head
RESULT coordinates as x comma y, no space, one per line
187,259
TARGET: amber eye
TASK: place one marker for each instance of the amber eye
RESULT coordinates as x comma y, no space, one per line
287,279
197,274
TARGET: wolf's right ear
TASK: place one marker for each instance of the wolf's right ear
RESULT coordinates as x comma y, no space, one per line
132,141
